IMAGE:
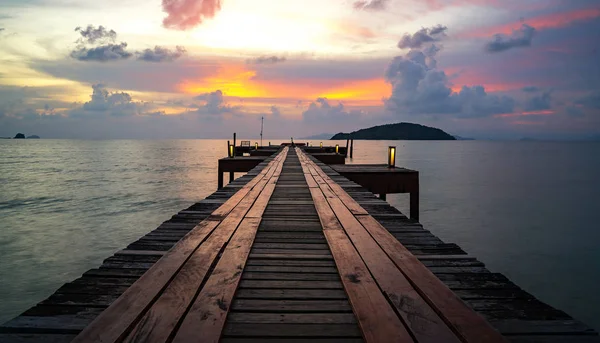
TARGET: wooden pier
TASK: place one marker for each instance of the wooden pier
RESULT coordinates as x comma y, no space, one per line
292,252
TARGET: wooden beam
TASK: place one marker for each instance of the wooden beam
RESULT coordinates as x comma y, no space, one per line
206,318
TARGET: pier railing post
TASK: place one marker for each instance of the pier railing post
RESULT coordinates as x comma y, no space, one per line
234,134
347,146
220,178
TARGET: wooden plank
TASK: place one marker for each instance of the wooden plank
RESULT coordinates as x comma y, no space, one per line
291,318
291,340
290,276
35,338
416,313
126,309
471,326
209,310
376,318
292,330
290,284
291,269
290,305
307,294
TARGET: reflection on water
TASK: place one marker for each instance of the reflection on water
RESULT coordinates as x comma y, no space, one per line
526,209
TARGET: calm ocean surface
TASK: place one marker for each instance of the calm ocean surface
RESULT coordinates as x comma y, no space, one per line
530,210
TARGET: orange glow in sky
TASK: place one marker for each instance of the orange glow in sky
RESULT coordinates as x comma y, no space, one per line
237,80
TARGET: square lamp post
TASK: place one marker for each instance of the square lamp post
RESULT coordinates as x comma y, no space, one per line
392,157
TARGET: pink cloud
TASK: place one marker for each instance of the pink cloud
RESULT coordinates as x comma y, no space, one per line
543,22
187,14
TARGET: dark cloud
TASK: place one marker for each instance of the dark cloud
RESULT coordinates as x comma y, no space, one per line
214,103
266,60
97,44
320,112
2,29
103,53
574,112
111,103
591,100
93,35
519,38
275,112
539,102
160,54
530,89
373,5
418,87
421,37
187,14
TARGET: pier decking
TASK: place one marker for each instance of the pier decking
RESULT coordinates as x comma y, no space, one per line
293,252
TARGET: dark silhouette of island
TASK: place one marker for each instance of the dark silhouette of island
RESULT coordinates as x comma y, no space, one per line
19,136
399,131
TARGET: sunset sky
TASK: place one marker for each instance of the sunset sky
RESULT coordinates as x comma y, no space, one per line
206,68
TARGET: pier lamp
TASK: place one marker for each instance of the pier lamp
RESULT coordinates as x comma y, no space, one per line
321,145
255,145
231,151
392,157
337,148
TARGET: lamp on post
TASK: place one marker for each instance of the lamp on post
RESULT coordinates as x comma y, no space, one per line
231,151
255,145
337,148
392,157
321,145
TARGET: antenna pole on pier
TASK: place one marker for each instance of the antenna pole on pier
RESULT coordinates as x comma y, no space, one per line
262,121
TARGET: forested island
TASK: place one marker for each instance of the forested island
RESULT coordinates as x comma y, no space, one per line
398,131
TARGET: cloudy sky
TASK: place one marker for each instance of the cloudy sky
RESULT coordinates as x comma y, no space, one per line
207,68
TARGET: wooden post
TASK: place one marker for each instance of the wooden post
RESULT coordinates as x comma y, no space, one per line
351,148
414,202
228,144
231,178
234,136
384,198
347,146
414,205
220,178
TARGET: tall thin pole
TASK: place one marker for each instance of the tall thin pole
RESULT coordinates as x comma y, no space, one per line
262,121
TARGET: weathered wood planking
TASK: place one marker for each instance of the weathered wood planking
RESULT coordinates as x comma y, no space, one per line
290,288
209,310
512,311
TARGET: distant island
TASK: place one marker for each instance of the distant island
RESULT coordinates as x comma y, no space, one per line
399,131
22,136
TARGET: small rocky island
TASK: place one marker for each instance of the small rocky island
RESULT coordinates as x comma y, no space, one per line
398,131
22,136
